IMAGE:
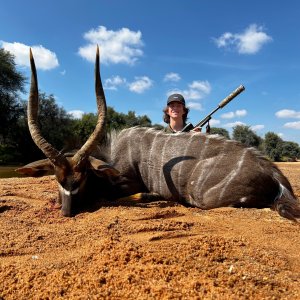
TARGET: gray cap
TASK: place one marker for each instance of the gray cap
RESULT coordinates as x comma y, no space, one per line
176,98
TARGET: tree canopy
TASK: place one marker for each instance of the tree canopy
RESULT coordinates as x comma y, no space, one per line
273,146
246,136
115,121
65,132
290,151
220,131
11,84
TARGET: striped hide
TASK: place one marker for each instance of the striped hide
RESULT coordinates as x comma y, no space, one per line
206,171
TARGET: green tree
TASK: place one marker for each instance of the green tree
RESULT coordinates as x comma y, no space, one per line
115,121
133,120
220,131
290,151
272,146
158,126
246,136
11,84
82,128
118,121
55,124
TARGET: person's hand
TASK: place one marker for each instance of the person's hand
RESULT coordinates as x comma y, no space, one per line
197,129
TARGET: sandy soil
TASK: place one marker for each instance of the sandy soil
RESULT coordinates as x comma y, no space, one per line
160,250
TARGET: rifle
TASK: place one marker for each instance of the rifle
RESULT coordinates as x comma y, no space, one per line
224,102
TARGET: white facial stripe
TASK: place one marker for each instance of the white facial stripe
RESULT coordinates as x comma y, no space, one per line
74,192
243,199
66,192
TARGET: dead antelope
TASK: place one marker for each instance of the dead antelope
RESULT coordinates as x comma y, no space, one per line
77,174
205,171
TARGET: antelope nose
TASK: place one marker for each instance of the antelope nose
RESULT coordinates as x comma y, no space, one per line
67,213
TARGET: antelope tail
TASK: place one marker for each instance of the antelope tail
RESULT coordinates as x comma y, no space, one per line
286,204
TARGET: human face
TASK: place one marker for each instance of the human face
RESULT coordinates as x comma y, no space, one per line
175,110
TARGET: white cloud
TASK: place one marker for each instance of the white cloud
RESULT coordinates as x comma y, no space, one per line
122,46
201,86
225,39
292,125
196,90
140,84
232,114
257,127
76,114
44,59
174,77
288,113
241,113
175,91
230,125
194,105
114,82
248,42
280,134
228,115
214,122
192,94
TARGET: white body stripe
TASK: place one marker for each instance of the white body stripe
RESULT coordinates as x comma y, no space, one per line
213,168
233,173
185,154
161,180
152,153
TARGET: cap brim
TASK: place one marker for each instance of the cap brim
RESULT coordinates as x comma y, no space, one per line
172,101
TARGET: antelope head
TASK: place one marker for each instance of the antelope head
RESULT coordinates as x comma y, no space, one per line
71,172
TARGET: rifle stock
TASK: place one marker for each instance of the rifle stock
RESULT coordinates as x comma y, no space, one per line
224,102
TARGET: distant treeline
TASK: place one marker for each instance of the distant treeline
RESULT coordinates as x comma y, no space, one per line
64,132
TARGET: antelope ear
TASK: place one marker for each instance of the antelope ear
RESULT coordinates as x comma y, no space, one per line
101,168
37,168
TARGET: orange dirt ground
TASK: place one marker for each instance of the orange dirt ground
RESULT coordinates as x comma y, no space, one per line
160,250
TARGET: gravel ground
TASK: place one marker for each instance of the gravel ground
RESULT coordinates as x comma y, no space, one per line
160,250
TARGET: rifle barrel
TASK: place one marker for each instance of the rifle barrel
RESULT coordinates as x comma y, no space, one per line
231,96
208,117
224,102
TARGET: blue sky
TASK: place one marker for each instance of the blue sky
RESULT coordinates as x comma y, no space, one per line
149,49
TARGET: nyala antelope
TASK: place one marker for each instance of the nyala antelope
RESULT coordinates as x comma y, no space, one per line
200,170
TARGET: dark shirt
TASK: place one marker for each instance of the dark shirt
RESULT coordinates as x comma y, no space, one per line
168,129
